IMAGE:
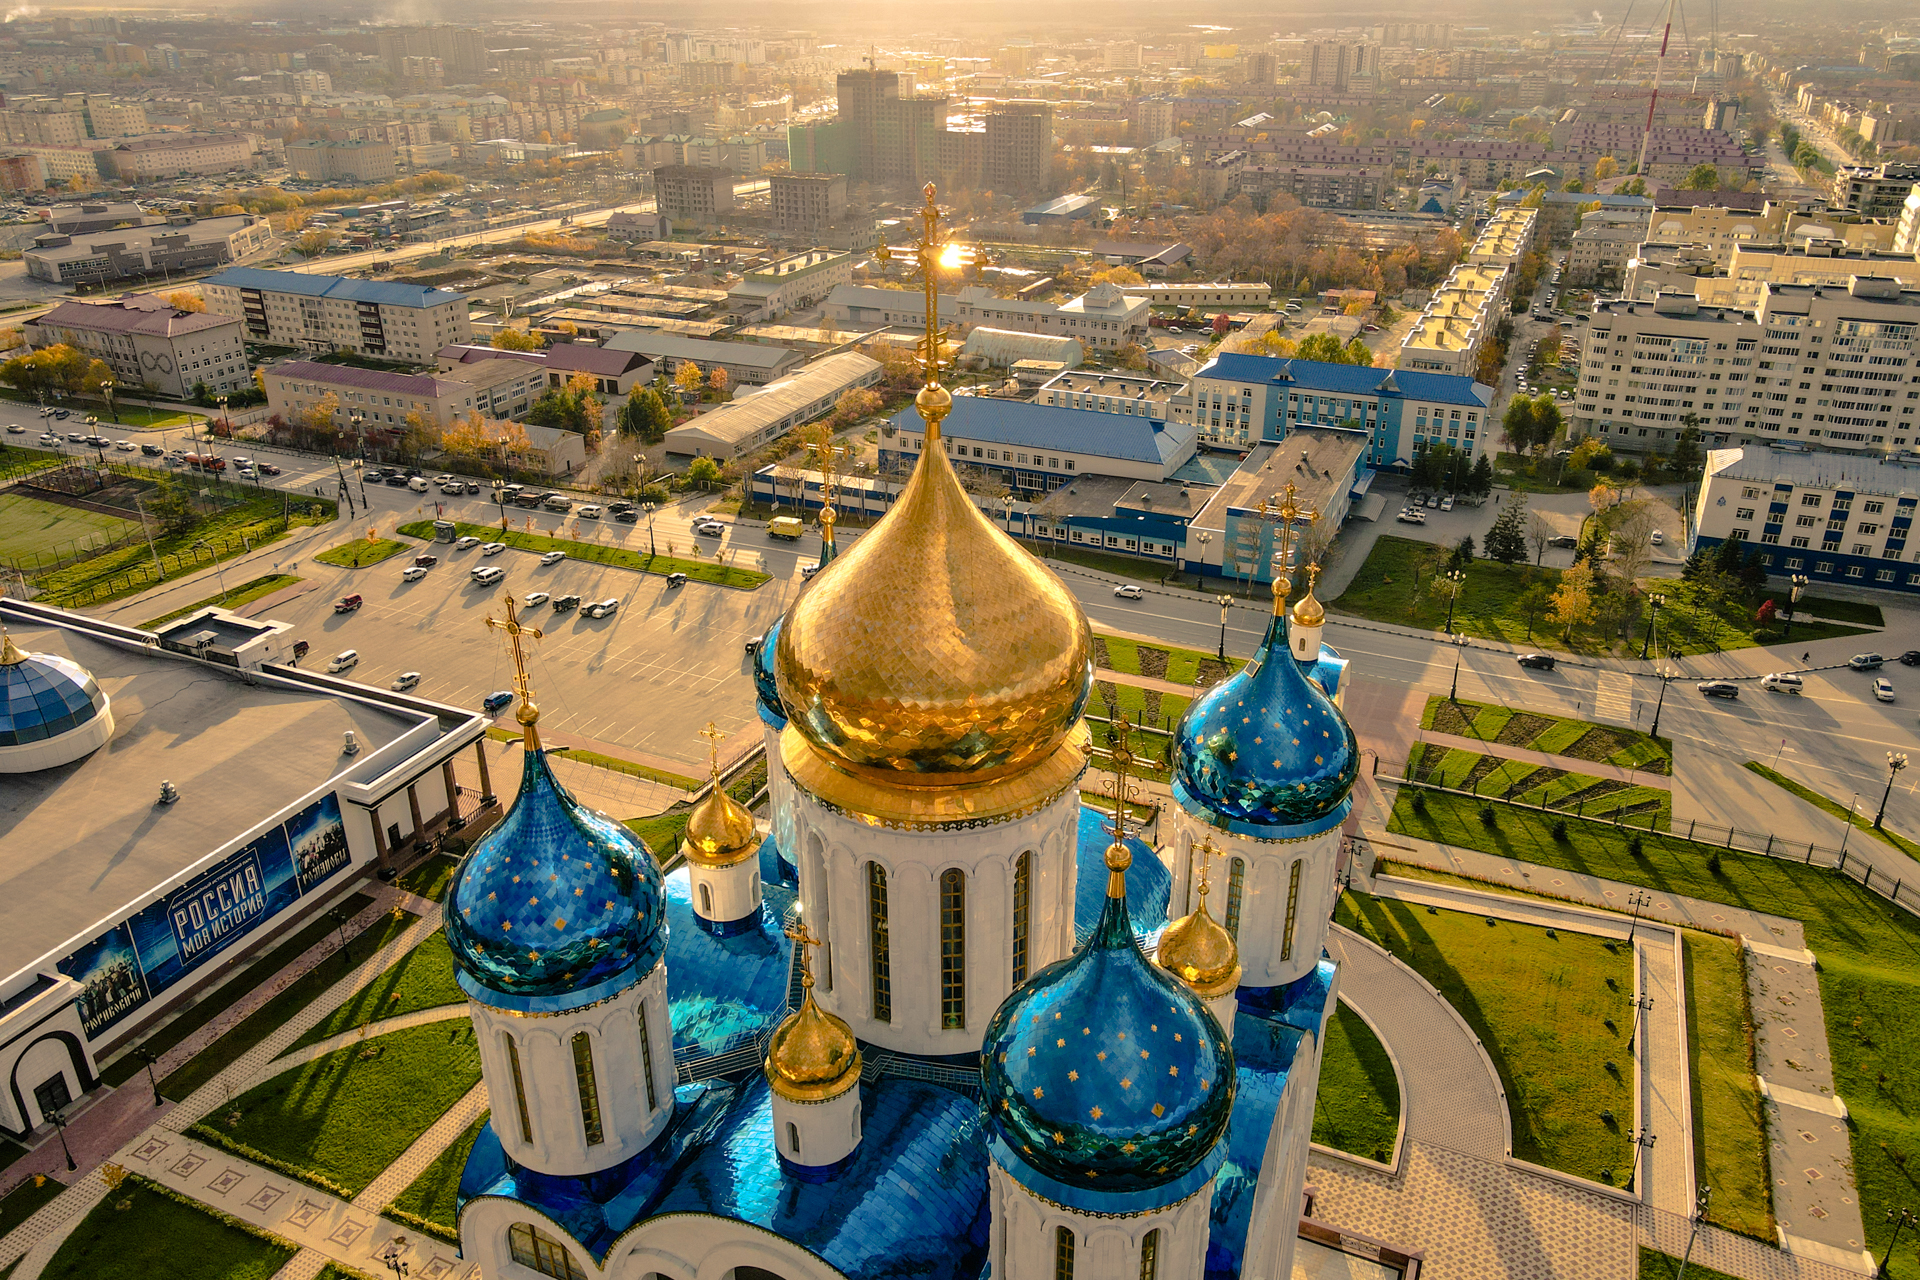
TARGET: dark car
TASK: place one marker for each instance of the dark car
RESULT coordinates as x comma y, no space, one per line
494,703
397,481
267,469
426,561
676,580
347,604
1911,658
1563,540
753,645
1538,661
151,450
563,603
627,516
1719,688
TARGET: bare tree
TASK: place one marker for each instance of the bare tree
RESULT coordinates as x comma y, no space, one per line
1539,533
1632,541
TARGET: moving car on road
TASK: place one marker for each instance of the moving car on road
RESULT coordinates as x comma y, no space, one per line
1537,661
1883,689
1866,661
1129,591
347,604
1719,688
1782,682
709,528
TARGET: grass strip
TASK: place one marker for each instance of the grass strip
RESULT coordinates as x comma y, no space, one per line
360,553
613,764
431,879
267,1019
420,979
428,1203
245,593
1553,1009
1357,1108
601,553
1655,1265
1540,731
1827,805
142,1230
25,1200
1729,1127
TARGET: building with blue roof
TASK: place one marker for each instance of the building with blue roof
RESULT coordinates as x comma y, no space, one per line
340,313
1237,401
1035,448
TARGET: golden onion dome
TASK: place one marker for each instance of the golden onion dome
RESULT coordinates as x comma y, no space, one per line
813,1055
1200,953
938,648
720,832
1309,612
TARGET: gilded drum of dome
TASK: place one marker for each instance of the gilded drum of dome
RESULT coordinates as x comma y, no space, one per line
937,647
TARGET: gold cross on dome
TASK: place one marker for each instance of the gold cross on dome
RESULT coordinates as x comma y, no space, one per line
1120,751
529,713
713,734
1206,856
805,940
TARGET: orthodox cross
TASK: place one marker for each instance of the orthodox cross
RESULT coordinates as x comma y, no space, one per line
529,713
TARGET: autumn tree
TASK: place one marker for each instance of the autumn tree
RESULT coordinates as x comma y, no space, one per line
1572,604
689,376
311,243
717,381
510,339
181,300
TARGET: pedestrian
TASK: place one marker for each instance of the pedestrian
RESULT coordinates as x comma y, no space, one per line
1805,656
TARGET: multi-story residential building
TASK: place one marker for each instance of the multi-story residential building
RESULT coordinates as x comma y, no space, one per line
1506,239
1237,401
150,344
1602,247
337,313
1560,211
1018,154
356,160
1330,65
1458,320
1829,517
1322,186
806,205
1824,367
1665,268
790,284
462,50
1874,191
170,155
180,244
378,400
693,193
1906,236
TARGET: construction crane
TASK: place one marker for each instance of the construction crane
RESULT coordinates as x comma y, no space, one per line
1646,138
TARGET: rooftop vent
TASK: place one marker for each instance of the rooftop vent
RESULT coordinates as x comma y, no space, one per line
351,746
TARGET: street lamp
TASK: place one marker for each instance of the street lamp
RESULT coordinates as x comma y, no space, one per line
1637,900
224,420
1226,603
1666,675
1699,1216
218,568
1799,581
1901,1217
1453,694
106,389
1896,761
149,1057
1653,612
60,1122
1456,580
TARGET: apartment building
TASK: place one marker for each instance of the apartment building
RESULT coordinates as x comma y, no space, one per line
1600,250
1663,268
1829,517
1906,235
1316,186
693,193
170,155
1874,191
1822,367
1327,64
806,205
150,344
1506,239
1018,147
338,313
355,160
381,401
1458,320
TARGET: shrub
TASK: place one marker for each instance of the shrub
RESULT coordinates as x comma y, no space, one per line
1634,846
1419,802
1488,818
1560,830
1713,864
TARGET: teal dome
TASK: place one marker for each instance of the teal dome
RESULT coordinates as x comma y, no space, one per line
1103,1072
1265,753
554,902
766,685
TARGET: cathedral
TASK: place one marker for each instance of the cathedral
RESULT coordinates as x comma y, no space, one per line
944,1019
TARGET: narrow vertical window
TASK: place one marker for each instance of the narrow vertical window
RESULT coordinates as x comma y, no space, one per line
1150,1255
519,1090
706,902
1063,1253
1022,914
953,949
532,1247
877,942
793,1139
1236,885
1293,906
646,1061
589,1091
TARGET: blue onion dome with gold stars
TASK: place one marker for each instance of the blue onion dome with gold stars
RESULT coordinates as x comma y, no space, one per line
1107,1082
556,906
766,685
1265,753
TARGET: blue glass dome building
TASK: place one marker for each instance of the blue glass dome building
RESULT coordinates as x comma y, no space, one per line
52,710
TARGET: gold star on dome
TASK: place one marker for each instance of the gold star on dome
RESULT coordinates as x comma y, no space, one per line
1096,1113
1059,1137
1073,1075
1038,1092
1128,1147
1159,1110
1173,1071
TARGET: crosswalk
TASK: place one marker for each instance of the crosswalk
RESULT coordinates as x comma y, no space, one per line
1613,697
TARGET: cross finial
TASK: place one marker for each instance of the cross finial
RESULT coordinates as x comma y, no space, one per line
930,253
1206,856
1288,510
1120,751
804,939
9,656
529,713
713,735
824,454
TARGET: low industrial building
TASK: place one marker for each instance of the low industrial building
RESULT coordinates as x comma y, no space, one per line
614,373
151,345
181,244
746,363
1037,448
792,283
759,415
375,399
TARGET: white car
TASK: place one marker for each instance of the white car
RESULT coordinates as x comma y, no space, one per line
466,543
1410,516
808,569
603,608
1883,689
487,575
493,548
343,661
710,528
552,558
538,597
406,681
413,573
1657,538
126,446
1128,591
1446,503
589,512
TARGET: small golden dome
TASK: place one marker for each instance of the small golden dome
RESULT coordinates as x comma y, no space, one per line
938,648
813,1055
720,832
1310,612
1200,953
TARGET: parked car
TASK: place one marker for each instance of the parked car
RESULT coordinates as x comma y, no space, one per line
426,560
1409,516
344,660
676,580
538,597
1657,538
563,603
1563,540
406,680
347,604
1537,661
552,558
466,544
1782,682
601,608
1719,688
1446,503
1883,689
496,702
808,569
1433,499
493,548
412,573
1129,591
1866,662
488,575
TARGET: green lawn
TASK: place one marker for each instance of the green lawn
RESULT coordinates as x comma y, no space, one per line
663,831
431,878
24,1200
265,1020
341,1119
32,528
1541,1006
1396,585
420,979
429,1202
614,764
1729,1128
1655,1265
15,461
1162,662
245,593
1357,1107
1869,952
603,553
1866,615
1828,805
360,553
158,1235
215,1002
143,417
1523,783
1556,735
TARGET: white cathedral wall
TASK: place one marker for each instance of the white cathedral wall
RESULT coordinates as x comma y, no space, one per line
779,792
694,1247
1261,937
1274,1225
816,1134
834,851
629,1119
1106,1247
725,893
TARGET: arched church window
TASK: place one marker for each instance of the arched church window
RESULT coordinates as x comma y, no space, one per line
1150,1255
519,1089
793,1139
1022,914
1236,886
646,1061
1293,907
1063,1253
953,949
532,1247
589,1090
706,902
877,942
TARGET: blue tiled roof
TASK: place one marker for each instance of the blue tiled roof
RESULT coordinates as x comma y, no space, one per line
910,1204
980,420
1327,668
1347,379
723,989
1149,884
390,292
